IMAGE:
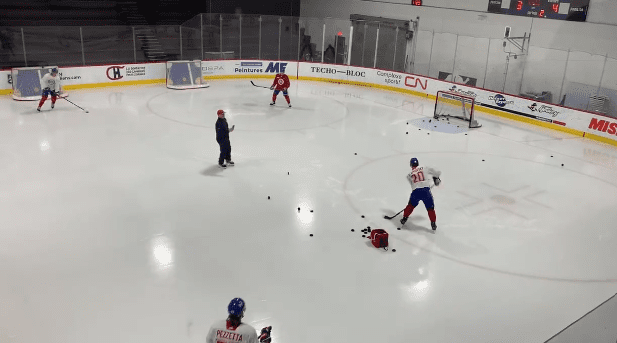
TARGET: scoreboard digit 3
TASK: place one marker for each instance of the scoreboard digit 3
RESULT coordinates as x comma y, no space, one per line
574,10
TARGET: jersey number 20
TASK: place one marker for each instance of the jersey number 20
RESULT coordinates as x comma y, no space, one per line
417,177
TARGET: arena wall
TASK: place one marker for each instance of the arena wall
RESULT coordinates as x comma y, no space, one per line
575,122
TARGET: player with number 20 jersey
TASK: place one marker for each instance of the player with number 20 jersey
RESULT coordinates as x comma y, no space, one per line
420,180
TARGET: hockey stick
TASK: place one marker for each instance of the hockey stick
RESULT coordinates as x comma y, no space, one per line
75,105
386,217
259,86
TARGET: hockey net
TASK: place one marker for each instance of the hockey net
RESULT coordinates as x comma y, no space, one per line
26,82
455,105
185,75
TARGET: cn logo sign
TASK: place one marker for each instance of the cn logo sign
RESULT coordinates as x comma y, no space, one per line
113,73
276,67
414,82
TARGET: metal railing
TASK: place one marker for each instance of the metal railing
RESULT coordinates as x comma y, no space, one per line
572,78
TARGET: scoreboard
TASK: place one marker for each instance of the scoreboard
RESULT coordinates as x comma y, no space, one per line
574,10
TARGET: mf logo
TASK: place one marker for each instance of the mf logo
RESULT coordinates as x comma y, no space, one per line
276,67
113,73
414,82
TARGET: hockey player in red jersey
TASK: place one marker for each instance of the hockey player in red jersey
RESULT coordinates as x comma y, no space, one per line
233,330
281,83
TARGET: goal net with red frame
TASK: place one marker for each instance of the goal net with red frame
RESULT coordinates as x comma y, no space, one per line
455,105
185,75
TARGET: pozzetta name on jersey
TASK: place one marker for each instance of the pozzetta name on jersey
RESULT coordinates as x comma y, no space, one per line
229,335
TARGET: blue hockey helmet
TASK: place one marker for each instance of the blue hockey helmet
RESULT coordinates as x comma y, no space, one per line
414,162
236,307
54,70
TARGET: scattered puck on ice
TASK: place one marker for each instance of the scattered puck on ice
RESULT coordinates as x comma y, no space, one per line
406,133
482,160
355,153
398,228
87,112
352,230
551,155
407,123
268,197
363,236
465,134
393,250
368,227
287,173
311,235
562,164
362,216
428,133
311,211
435,125
423,120
430,120
298,209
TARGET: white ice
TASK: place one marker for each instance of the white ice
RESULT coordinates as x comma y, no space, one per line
118,226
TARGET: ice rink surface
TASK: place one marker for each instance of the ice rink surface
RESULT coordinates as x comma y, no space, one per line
118,226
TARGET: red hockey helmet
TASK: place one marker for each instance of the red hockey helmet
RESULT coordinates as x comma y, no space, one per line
219,112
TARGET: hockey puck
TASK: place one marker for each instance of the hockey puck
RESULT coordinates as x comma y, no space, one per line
268,197
398,228
362,216
287,173
562,164
368,227
363,236
551,155
406,133
311,235
428,133
352,230
311,211
465,134
430,120
393,250
355,153
482,160
298,209
87,112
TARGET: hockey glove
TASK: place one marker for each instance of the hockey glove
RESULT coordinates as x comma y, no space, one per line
271,88
56,94
437,181
264,336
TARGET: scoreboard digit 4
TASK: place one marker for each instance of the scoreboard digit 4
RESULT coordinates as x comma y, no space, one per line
574,10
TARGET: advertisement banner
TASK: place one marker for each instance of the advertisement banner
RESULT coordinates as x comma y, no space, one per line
248,69
5,81
111,73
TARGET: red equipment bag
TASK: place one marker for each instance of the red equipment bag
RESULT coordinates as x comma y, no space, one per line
379,238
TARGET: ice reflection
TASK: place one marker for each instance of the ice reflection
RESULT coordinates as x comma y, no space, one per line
418,290
162,252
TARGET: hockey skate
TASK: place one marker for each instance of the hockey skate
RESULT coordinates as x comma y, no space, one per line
289,105
52,105
403,221
223,166
230,163
38,109
434,226
272,103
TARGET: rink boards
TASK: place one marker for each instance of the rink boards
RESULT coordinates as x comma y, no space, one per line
580,123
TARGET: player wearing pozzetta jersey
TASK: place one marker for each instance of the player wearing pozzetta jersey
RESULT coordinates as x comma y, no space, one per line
281,83
420,180
232,330
50,84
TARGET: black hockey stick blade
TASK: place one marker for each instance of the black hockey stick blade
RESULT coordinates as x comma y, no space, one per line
74,104
259,86
387,217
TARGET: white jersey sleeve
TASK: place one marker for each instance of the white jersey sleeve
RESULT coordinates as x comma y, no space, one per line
219,333
421,177
51,82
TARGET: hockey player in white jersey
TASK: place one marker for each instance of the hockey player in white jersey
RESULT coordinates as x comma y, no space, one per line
232,329
420,181
50,84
